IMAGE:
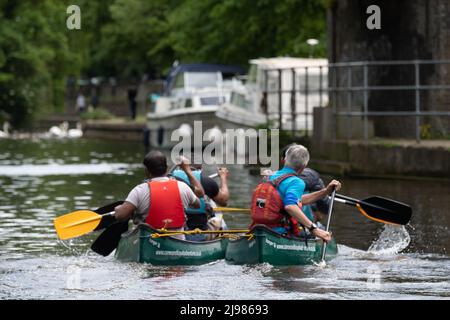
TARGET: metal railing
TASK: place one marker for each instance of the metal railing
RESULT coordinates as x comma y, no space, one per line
302,95
342,90
417,87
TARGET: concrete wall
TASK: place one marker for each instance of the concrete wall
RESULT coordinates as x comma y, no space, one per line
410,29
114,131
377,157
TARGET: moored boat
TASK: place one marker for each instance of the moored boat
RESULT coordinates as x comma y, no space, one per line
138,245
262,244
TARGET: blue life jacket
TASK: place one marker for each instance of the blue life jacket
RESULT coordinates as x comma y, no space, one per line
181,175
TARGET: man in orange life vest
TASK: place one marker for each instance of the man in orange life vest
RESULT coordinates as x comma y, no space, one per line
161,201
290,188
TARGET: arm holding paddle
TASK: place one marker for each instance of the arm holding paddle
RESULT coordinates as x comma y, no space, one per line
124,211
297,214
315,196
198,189
222,197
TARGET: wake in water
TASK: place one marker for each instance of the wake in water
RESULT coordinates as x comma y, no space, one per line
65,169
392,240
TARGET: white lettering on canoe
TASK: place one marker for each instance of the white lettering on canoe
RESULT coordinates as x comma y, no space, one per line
291,247
178,253
153,242
251,244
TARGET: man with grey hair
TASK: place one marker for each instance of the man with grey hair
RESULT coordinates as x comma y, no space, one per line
291,188
297,157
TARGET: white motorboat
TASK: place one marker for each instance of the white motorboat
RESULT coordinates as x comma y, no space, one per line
248,105
193,92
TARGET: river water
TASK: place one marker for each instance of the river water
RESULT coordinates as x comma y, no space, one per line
43,179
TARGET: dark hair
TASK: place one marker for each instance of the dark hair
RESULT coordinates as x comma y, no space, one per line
156,163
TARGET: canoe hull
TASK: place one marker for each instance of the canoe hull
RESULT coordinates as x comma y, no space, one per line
267,246
139,246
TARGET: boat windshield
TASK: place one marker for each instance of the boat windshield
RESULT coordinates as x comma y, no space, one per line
212,101
197,80
238,99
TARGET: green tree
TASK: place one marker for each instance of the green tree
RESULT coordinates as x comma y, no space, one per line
234,31
34,57
133,42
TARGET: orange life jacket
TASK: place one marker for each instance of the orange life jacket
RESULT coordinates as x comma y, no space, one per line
267,206
166,208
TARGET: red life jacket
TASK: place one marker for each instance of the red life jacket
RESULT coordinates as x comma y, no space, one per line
267,206
166,208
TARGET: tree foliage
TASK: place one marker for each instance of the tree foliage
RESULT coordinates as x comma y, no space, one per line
129,38
34,57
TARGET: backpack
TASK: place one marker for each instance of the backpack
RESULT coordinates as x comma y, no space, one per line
267,206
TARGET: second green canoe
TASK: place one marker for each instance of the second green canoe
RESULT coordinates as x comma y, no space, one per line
268,246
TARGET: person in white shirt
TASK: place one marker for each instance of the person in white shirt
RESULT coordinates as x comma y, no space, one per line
161,201
81,102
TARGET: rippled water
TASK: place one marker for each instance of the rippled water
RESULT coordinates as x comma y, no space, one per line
42,180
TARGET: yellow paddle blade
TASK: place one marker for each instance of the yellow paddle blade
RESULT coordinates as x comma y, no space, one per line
76,223
226,209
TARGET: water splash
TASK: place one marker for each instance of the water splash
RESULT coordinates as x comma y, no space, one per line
392,240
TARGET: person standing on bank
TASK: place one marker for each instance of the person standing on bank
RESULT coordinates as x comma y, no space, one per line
161,201
132,94
81,102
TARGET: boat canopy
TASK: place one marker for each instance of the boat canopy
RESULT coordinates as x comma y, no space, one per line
227,71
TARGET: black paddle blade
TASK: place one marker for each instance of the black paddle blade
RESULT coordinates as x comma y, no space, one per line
108,208
107,220
386,210
109,239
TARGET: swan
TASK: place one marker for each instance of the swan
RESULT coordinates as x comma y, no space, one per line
75,133
5,132
59,131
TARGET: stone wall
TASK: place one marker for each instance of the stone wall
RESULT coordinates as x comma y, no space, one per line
410,30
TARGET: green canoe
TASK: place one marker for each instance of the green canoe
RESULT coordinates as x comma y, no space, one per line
138,245
268,246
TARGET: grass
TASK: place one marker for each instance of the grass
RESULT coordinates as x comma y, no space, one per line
97,114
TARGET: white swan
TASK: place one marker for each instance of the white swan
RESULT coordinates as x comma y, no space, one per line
75,133
5,132
59,131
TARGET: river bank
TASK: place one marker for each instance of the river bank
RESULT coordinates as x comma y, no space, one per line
380,158
388,158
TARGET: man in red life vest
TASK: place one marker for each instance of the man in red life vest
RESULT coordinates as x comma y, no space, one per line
161,201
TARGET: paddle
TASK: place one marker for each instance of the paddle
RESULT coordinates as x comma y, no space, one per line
108,240
380,209
227,209
376,208
324,244
78,223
